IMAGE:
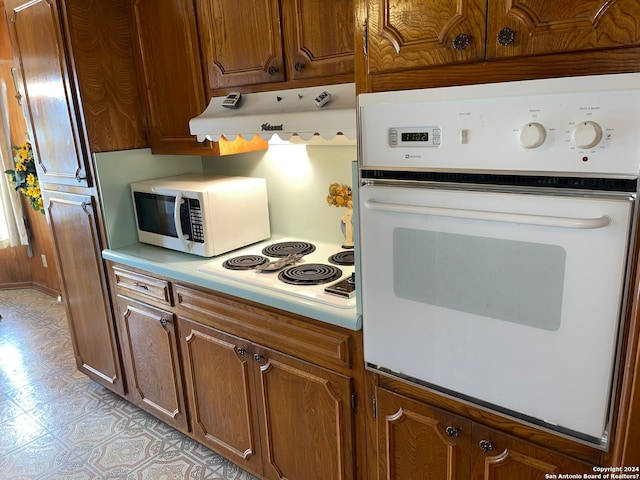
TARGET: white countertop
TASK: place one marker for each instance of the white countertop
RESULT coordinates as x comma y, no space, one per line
184,267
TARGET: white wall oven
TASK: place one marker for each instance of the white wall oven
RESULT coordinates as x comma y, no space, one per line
495,230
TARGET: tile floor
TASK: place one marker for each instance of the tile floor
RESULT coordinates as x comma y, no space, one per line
55,423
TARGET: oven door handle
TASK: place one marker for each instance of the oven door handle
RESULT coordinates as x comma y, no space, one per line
522,218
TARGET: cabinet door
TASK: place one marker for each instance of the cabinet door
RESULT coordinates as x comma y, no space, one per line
423,33
220,388
534,27
318,38
76,243
496,456
150,351
242,41
170,73
308,418
416,440
38,44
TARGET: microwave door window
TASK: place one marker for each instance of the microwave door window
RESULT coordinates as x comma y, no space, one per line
155,213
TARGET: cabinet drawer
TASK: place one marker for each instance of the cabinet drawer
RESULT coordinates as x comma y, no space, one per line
140,285
286,333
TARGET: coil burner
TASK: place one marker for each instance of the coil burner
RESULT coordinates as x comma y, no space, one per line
244,262
283,249
345,257
310,274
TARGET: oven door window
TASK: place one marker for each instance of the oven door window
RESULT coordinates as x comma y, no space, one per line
511,280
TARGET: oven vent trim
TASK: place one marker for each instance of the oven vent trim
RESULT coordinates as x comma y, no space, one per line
627,185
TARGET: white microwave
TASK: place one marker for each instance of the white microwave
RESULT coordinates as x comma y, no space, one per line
202,215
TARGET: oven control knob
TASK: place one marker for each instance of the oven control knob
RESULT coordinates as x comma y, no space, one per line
587,134
532,135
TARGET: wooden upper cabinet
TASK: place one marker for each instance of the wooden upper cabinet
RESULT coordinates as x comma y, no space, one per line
318,38
242,43
77,75
405,35
276,42
455,42
37,39
537,27
170,73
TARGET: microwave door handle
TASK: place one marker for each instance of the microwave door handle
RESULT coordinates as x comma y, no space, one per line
178,222
538,220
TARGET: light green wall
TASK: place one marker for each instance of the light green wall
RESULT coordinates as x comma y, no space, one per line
298,179
116,170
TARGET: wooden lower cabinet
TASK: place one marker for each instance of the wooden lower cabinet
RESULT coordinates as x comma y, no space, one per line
496,456
416,441
149,345
76,241
270,413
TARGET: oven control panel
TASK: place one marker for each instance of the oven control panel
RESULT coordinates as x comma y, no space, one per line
575,125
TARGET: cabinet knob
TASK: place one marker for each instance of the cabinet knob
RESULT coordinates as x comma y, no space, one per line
298,66
241,351
506,36
486,446
163,321
453,432
272,70
461,41
257,357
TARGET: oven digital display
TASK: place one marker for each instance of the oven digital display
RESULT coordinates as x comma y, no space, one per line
415,136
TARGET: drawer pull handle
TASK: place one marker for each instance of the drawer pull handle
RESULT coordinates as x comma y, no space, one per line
241,351
486,446
257,357
453,432
141,285
163,321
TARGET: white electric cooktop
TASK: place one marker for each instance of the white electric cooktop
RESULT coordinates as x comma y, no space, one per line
321,262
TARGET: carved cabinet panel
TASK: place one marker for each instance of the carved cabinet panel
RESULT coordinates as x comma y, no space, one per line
241,46
416,440
219,382
411,34
308,418
50,99
538,27
318,38
497,456
72,220
149,344
275,41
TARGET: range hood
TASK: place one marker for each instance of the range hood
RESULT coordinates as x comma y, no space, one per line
282,112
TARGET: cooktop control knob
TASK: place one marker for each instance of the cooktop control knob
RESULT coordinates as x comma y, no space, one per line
532,135
587,134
